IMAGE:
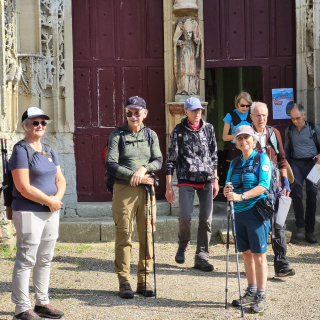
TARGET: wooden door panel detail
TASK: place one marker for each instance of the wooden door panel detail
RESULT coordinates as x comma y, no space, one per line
106,97
83,98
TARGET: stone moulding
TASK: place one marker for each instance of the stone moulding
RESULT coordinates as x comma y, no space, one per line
34,77
185,4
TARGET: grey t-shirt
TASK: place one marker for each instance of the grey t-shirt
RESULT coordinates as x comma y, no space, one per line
302,141
42,173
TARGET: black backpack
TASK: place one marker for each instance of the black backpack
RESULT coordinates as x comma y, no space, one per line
313,134
273,192
235,118
7,184
108,177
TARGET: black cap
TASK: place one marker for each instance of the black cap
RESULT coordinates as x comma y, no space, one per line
136,102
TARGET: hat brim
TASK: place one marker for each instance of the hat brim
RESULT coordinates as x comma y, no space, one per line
39,115
134,106
194,108
245,132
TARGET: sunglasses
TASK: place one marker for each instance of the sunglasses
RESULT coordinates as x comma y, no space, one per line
245,105
36,123
129,114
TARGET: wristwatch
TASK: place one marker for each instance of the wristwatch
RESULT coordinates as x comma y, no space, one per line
145,167
243,197
216,178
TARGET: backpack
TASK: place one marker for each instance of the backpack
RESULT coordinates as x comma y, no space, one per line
313,134
7,184
108,177
235,118
273,192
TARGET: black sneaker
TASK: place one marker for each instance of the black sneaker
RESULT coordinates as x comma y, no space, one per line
203,265
125,291
27,315
48,311
285,273
311,238
181,256
247,299
259,303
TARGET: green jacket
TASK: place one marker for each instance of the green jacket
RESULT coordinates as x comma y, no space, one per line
137,153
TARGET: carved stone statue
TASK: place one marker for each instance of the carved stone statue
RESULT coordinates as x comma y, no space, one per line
187,41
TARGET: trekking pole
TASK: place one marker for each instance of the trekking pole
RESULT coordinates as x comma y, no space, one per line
146,244
236,250
153,254
227,262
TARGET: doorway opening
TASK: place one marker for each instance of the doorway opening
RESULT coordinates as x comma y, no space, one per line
222,85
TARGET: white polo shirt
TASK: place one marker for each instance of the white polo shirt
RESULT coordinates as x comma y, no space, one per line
262,137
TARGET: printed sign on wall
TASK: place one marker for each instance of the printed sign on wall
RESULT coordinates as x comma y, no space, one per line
280,99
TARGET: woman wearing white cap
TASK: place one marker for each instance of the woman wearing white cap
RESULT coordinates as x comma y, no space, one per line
39,186
250,176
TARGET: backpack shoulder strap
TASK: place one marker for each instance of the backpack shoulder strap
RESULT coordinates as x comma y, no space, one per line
313,133
235,118
179,129
256,164
122,139
30,151
234,165
248,117
148,136
273,139
48,148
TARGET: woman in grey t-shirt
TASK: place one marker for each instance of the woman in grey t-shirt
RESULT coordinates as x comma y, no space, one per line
39,186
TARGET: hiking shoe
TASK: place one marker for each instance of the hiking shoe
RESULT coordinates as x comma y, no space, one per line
125,291
48,311
27,315
300,233
181,256
203,265
285,272
248,298
311,238
145,290
259,303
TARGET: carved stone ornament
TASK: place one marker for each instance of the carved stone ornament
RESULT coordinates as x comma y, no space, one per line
34,76
187,43
310,43
185,4
13,70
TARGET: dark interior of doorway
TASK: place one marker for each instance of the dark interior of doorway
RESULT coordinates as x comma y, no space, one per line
222,85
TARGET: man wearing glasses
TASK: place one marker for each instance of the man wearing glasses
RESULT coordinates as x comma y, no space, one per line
132,166
193,152
270,142
303,149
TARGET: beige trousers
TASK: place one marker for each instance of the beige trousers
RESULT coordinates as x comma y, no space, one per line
129,203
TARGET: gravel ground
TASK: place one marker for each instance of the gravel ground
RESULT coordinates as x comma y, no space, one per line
84,285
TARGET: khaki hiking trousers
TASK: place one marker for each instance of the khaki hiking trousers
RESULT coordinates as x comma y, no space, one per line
128,203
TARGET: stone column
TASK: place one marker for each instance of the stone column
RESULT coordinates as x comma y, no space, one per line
308,56
183,61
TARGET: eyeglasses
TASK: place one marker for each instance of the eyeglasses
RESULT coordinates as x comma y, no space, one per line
245,105
130,114
296,119
36,123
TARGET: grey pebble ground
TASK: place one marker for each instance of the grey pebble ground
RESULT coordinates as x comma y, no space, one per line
84,286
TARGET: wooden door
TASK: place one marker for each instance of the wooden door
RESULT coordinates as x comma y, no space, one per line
118,53
240,33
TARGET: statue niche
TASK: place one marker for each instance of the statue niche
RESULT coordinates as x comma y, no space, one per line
187,42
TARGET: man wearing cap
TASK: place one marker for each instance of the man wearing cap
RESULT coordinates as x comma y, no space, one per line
131,167
269,141
193,152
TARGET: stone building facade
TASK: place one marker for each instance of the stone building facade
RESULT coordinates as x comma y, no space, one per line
36,69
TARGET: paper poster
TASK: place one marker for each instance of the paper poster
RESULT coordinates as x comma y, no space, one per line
314,174
280,100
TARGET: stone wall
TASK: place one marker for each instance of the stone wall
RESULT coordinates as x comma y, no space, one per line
36,69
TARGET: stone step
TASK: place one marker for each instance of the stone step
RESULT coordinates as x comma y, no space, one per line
102,229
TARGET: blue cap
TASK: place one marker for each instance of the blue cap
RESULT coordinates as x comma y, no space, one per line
192,104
